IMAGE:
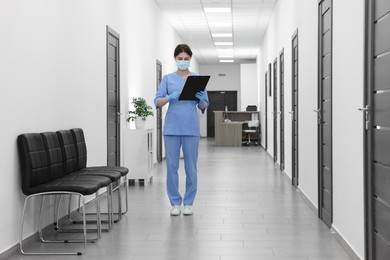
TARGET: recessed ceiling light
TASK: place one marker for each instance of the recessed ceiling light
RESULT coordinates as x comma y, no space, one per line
223,61
223,56
217,9
223,43
228,24
217,35
225,51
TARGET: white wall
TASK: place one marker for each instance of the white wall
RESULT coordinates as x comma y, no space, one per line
223,77
158,42
348,75
283,24
348,39
53,66
249,86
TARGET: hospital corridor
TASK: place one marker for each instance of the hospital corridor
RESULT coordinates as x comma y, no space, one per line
195,129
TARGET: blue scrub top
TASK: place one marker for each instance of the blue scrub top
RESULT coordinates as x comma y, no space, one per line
182,116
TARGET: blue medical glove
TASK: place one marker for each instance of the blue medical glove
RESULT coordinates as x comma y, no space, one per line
174,96
201,95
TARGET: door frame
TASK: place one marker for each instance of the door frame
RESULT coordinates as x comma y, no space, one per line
266,111
281,108
111,32
294,101
367,139
275,107
158,116
320,132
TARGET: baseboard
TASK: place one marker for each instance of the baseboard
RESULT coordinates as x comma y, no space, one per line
345,245
32,238
348,249
11,251
308,202
28,240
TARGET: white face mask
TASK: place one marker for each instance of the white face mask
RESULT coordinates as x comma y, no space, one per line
183,64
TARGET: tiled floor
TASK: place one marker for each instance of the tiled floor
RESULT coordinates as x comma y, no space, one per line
245,209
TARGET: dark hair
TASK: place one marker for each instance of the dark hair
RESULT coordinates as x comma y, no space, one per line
182,48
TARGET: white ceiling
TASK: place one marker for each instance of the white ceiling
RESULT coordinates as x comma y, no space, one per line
247,23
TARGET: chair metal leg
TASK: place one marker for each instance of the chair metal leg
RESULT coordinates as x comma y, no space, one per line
109,212
119,213
119,202
22,250
40,218
81,209
126,186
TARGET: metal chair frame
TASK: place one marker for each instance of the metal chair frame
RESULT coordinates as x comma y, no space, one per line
84,240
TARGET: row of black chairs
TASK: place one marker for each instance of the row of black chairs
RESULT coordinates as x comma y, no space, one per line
55,163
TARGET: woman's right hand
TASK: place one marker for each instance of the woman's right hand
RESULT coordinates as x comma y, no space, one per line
174,96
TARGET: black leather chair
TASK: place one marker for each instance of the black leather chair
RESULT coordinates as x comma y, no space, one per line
56,159
70,159
43,176
81,152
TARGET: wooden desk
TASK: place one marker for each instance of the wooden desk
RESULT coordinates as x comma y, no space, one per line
230,133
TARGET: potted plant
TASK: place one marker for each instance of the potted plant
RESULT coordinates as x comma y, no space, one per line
141,111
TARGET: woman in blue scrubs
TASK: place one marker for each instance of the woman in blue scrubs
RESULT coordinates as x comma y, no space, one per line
181,129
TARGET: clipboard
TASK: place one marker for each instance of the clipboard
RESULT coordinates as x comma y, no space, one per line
193,85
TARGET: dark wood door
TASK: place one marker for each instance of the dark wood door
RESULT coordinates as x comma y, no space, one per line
158,114
377,130
275,110
324,112
294,108
219,100
265,138
113,98
281,108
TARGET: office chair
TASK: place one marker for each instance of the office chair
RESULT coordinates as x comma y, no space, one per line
252,125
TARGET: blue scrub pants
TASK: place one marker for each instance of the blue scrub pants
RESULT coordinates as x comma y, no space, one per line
190,145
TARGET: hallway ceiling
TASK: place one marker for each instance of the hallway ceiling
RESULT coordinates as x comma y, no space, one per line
197,22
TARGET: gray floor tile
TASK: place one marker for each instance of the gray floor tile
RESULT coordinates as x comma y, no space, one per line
264,258
245,209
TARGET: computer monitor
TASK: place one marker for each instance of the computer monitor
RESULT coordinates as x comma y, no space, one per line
251,108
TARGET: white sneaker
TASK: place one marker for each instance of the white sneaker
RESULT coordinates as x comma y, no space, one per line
188,210
175,211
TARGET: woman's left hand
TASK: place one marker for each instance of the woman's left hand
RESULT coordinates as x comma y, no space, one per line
201,95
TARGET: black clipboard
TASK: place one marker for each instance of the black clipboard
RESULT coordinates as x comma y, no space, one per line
193,85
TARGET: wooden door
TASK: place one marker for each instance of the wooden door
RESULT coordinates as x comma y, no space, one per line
265,137
325,198
219,100
294,108
281,108
377,130
158,114
275,111
113,98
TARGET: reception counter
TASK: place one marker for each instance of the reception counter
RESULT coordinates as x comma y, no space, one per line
229,126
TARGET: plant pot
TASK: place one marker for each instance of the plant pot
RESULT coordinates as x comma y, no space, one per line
139,123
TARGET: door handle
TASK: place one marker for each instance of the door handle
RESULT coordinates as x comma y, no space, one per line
366,111
118,117
318,111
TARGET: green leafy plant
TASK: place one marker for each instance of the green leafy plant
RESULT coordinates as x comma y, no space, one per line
142,109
